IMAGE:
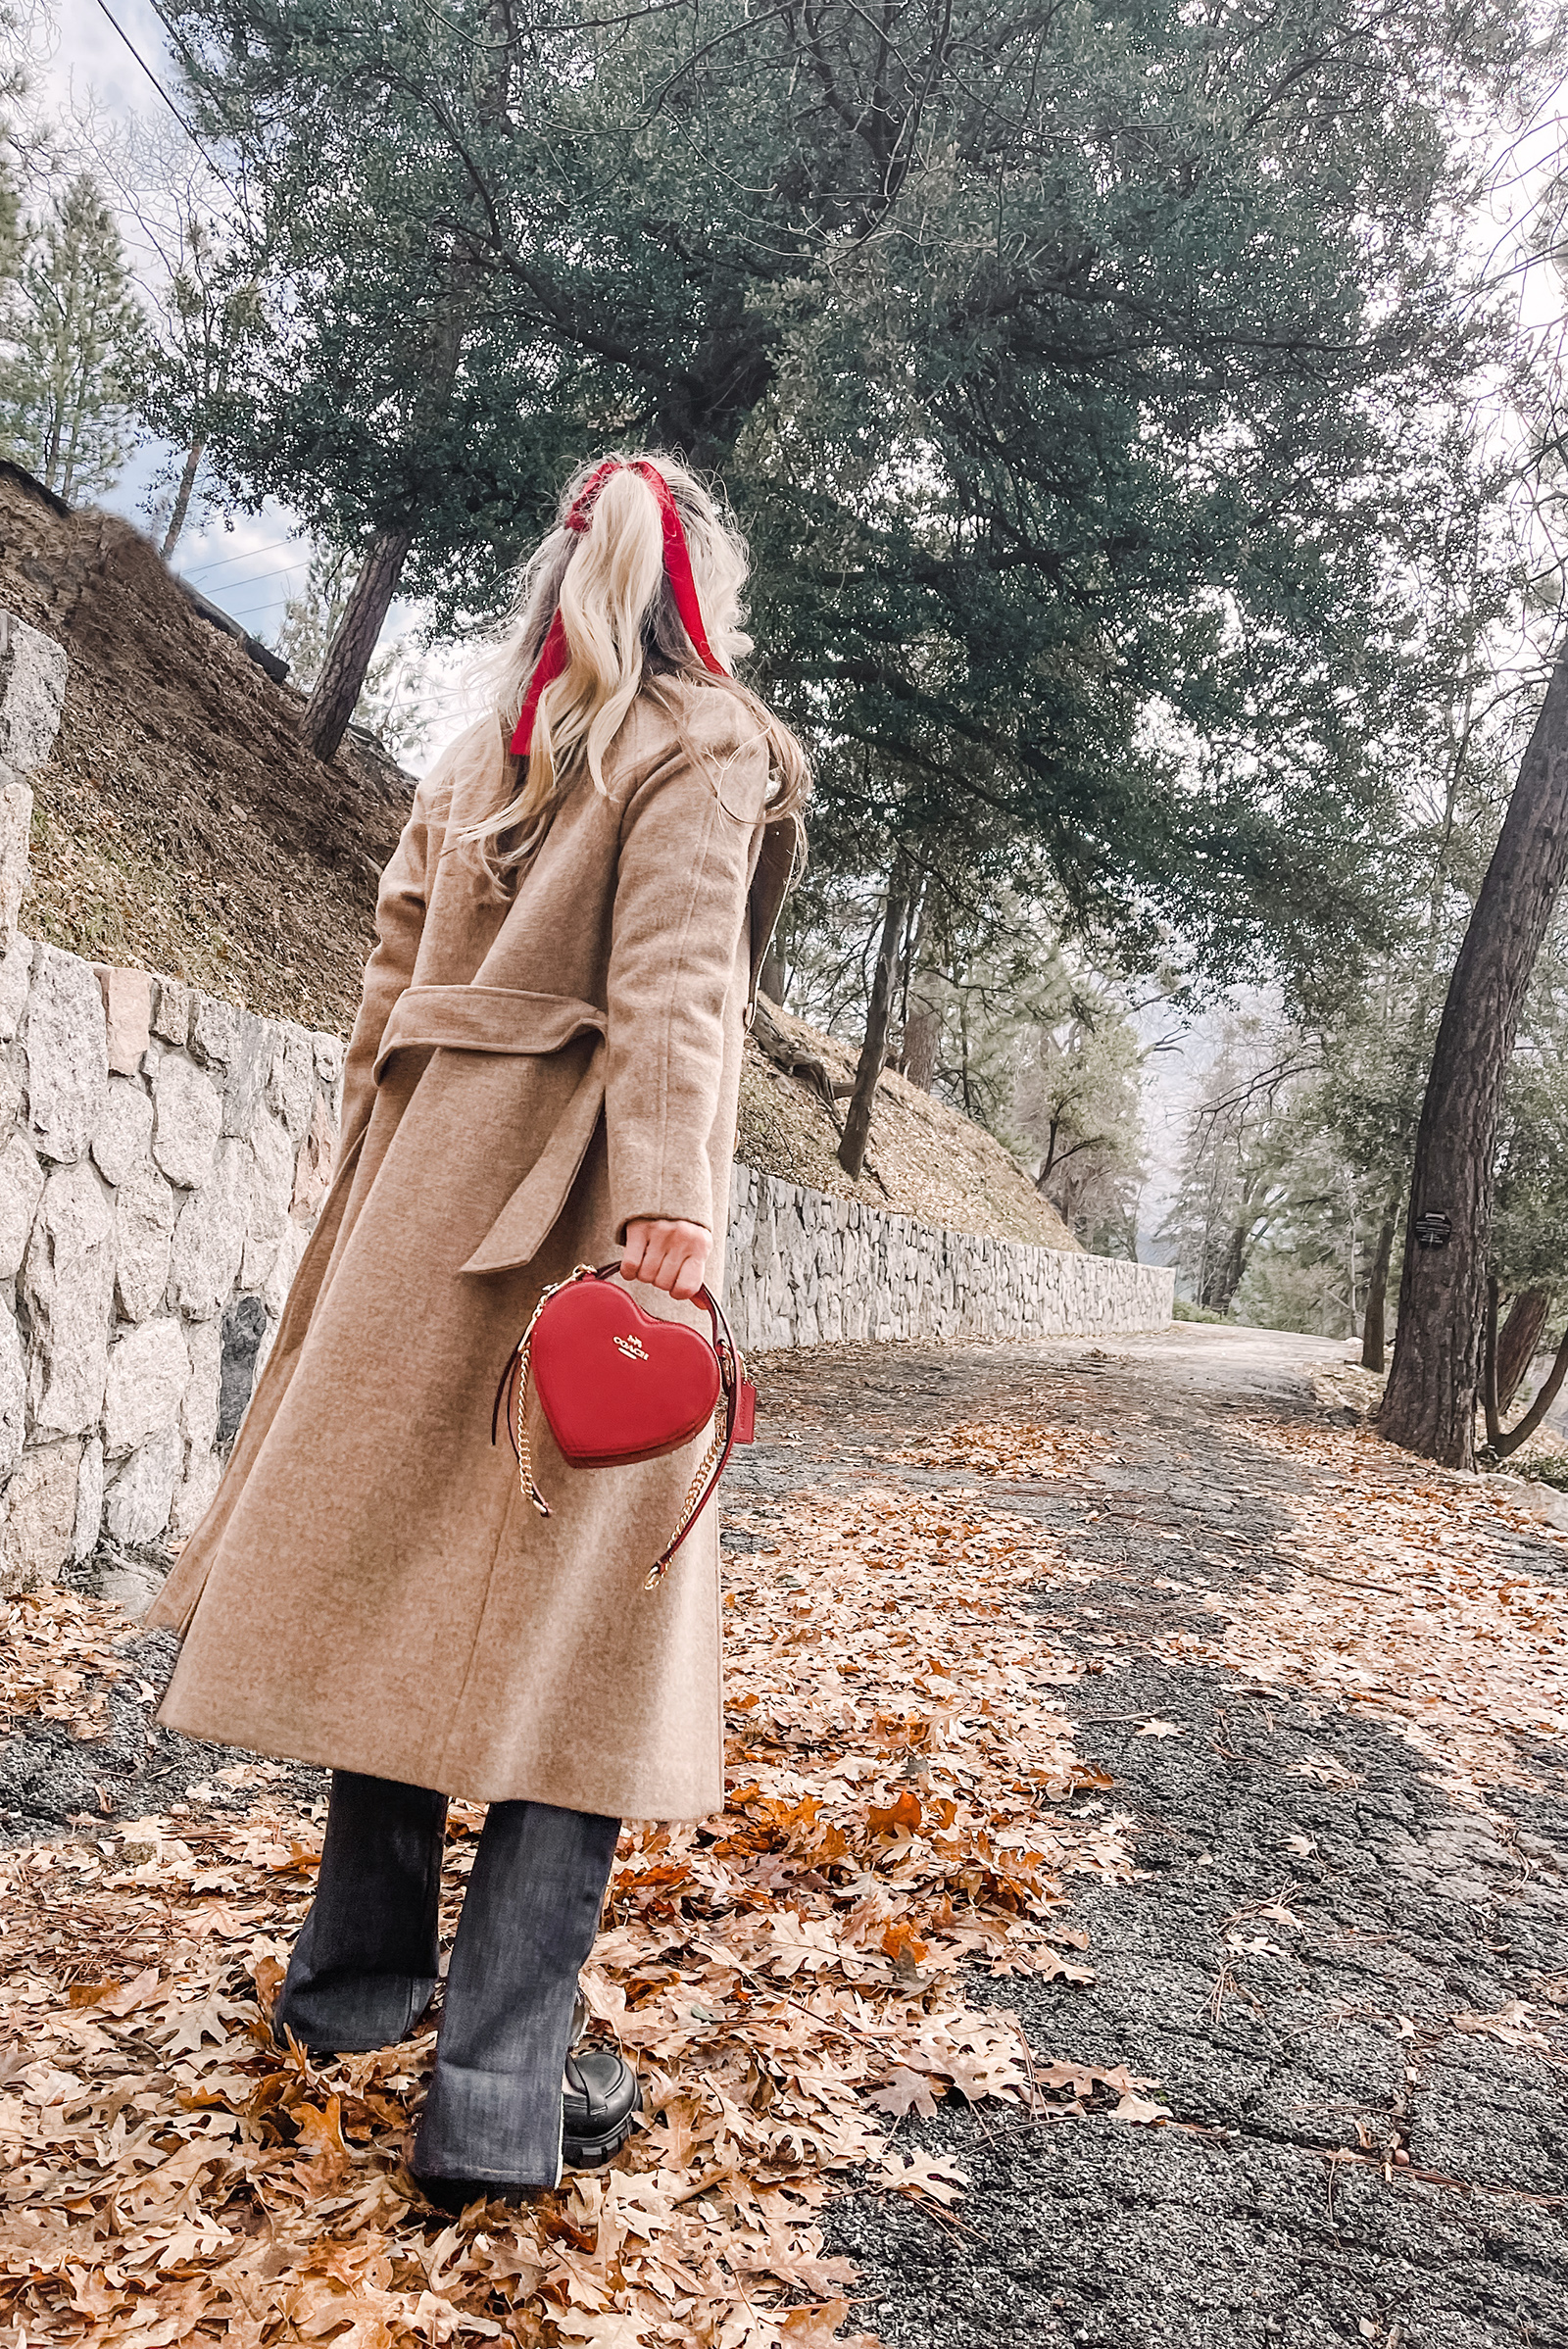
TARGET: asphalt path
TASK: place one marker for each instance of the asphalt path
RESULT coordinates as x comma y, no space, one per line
1318,2094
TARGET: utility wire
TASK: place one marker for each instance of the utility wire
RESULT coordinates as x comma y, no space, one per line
264,546
167,99
279,571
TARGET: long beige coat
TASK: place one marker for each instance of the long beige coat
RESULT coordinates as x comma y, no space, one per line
369,1588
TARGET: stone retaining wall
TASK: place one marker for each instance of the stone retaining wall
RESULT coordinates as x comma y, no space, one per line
162,1158
803,1268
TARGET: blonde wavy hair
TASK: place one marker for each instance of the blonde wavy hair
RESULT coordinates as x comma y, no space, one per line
622,633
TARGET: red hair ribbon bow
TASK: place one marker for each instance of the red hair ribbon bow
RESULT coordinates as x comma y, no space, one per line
553,656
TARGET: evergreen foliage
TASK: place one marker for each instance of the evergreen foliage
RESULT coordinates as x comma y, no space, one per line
1061,365
65,388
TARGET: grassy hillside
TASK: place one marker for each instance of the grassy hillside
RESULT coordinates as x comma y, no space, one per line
925,1160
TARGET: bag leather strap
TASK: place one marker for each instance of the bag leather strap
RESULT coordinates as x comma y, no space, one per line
731,1385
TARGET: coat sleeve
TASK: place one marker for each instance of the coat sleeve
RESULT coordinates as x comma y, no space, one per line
688,842
399,926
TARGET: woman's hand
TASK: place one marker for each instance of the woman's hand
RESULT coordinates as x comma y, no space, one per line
667,1256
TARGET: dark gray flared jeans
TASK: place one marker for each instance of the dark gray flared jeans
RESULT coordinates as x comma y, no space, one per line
366,1963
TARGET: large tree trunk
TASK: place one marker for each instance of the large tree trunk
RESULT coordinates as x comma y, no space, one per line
1220,1282
1430,1404
774,976
337,690
879,1012
1517,1341
182,496
1373,1333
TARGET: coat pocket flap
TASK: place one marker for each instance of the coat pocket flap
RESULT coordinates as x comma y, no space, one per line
529,1216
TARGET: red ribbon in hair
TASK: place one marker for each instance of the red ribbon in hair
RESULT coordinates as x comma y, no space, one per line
554,655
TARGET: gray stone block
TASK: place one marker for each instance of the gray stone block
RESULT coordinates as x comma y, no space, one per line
149,1370
16,976
145,1210
291,1079
244,1328
33,694
13,1393
250,1069
40,1516
209,1234
187,1116
131,1586
89,1515
138,1501
198,1411
194,1494
21,1189
171,1013
124,1131
271,1191
214,1027
67,1284
66,1055
15,836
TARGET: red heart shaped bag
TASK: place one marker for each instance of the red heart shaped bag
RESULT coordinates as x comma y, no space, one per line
616,1386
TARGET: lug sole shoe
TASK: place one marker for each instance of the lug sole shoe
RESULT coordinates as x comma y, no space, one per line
603,2098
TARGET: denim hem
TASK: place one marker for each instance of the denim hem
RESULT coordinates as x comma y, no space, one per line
478,2125
355,2014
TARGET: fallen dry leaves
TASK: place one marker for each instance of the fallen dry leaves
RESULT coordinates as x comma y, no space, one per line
906,1802
1408,1605
1019,1450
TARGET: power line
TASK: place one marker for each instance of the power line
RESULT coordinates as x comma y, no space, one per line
167,99
279,571
223,563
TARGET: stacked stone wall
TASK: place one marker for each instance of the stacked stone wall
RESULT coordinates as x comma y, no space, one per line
162,1158
803,1268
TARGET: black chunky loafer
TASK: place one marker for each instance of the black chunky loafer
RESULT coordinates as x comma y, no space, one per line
603,2098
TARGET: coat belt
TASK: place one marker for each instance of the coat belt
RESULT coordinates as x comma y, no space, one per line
485,1019
509,1019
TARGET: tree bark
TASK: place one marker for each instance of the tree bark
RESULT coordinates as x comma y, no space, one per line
1373,1331
773,977
182,496
1488,1367
1518,1339
922,1032
1430,1404
1550,1389
879,1012
337,690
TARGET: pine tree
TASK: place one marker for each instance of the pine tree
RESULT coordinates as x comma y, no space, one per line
65,407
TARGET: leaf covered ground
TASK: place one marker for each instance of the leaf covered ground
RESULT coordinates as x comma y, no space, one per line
905,1803
1133,1919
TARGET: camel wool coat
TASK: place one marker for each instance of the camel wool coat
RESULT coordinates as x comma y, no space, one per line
369,1588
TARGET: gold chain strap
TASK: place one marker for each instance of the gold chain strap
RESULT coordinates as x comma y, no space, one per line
688,1507
530,1491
